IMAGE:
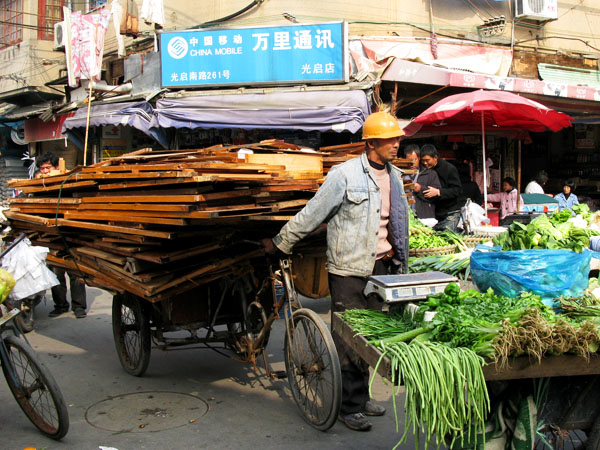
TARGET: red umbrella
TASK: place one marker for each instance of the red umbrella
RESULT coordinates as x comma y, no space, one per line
481,111
501,110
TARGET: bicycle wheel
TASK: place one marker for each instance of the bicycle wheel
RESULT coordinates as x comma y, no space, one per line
131,333
313,369
37,394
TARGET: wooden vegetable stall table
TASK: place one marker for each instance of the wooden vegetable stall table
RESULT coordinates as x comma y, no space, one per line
573,401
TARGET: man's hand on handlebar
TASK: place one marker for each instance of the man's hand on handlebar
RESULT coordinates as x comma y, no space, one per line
270,248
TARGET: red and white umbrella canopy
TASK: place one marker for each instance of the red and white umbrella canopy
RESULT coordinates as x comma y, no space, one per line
501,110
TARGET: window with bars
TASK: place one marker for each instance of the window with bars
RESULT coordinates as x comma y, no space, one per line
86,6
50,12
11,22
95,4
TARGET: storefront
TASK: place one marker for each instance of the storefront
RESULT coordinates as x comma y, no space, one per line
115,128
311,117
568,154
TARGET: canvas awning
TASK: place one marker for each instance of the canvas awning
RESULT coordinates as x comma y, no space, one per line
133,114
323,110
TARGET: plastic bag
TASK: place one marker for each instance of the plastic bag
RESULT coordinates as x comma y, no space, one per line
27,265
548,273
472,216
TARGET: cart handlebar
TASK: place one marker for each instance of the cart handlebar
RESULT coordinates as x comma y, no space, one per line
13,245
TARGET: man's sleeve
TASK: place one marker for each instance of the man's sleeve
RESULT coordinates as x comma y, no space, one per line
432,180
320,208
454,188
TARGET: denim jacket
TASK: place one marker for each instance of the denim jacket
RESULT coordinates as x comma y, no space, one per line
349,201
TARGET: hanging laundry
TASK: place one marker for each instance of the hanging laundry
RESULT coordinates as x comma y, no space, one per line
153,11
117,14
129,19
87,45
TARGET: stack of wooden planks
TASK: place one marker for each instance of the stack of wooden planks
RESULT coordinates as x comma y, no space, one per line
159,223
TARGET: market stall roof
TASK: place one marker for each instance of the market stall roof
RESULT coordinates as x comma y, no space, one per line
569,97
323,110
134,114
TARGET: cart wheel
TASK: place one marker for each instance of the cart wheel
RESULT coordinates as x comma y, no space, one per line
131,332
313,369
250,328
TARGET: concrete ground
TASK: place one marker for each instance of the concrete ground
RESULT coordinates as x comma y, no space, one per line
188,399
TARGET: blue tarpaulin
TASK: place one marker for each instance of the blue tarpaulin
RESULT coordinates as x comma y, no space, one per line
326,110
133,114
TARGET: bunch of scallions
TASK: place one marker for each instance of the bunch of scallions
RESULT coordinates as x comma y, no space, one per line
445,392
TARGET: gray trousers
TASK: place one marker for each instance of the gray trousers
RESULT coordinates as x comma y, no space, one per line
59,293
347,293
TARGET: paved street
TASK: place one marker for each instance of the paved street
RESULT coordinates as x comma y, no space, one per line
188,398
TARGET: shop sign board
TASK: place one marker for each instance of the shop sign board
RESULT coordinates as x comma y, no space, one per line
303,53
36,130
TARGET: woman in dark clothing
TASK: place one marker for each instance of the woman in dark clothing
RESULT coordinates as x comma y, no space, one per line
424,207
469,187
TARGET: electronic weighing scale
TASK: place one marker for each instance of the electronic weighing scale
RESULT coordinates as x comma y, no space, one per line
408,287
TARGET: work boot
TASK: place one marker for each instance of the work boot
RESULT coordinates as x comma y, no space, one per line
80,313
373,409
356,421
57,311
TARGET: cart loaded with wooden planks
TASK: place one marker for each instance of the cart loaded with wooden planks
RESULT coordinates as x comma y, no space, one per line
175,236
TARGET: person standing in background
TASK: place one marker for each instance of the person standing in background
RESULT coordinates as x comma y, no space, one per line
507,198
536,186
566,199
47,163
449,198
424,207
469,187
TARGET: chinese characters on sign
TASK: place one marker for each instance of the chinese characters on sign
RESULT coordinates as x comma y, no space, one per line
289,54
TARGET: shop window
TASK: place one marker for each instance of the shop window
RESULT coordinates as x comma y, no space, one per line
85,6
11,22
50,12
95,4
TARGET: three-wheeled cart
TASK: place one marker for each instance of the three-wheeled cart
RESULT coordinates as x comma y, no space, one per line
573,399
235,313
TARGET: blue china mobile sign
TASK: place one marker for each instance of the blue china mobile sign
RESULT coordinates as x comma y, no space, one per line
314,53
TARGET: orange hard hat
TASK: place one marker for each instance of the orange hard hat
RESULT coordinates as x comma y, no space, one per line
381,125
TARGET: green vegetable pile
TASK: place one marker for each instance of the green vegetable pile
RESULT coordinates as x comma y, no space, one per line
440,361
428,241
437,378
415,226
560,217
457,264
541,232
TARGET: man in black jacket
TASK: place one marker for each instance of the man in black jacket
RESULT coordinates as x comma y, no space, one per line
449,198
424,178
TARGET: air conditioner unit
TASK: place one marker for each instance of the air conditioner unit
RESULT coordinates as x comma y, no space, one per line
538,10
60,35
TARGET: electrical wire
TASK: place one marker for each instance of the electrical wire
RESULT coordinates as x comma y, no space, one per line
559,37
478,10
231,16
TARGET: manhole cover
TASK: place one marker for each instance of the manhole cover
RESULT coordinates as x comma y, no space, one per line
146,411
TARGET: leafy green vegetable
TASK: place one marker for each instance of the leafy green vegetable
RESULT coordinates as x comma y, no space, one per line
453,264
541,232
560,217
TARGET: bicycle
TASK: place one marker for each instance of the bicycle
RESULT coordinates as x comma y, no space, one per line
28,379
247,309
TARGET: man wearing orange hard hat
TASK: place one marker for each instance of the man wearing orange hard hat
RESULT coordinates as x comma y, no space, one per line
364,205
